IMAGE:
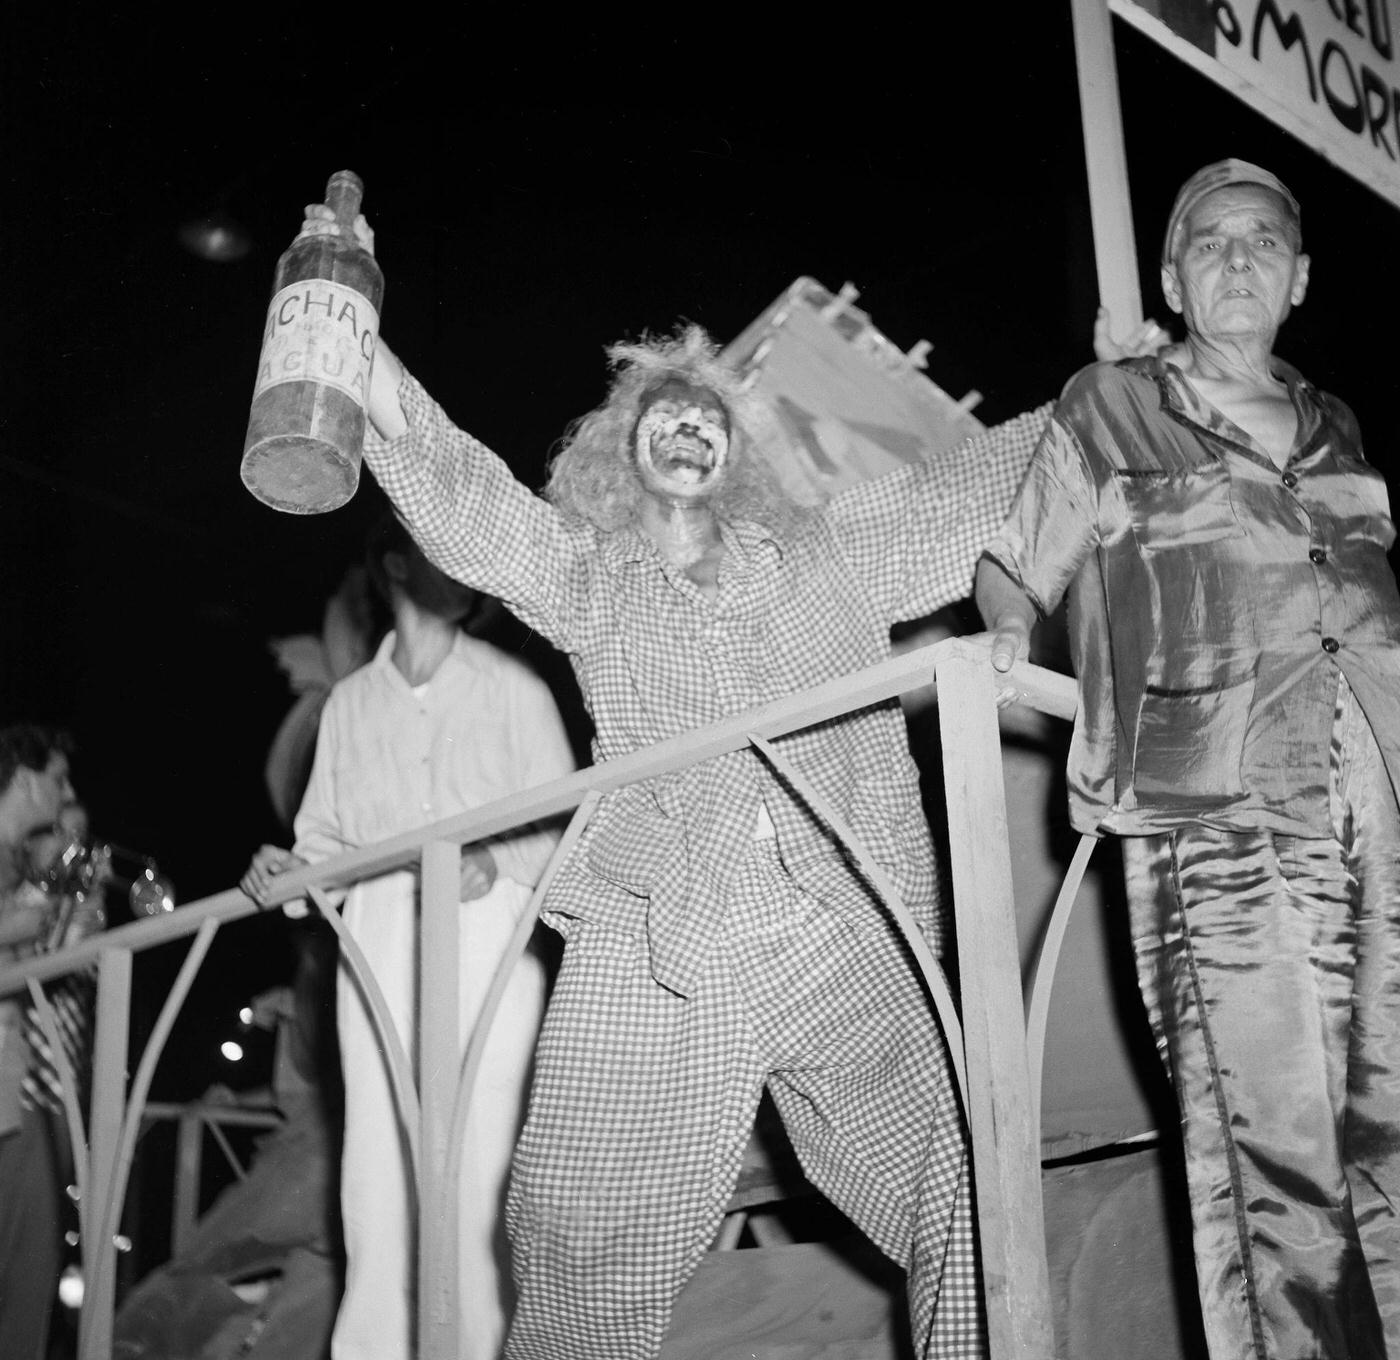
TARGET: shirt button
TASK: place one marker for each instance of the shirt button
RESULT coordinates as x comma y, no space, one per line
1330,644
1317,556
1290,480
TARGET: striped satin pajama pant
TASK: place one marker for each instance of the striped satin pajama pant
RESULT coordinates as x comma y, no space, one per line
643,1102
1270,966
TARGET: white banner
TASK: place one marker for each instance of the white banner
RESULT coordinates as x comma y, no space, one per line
1325,70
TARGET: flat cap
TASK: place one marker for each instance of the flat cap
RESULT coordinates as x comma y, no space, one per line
1207,181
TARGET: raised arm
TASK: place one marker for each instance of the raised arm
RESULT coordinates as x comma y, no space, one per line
462,504
915,534
475,521
386,413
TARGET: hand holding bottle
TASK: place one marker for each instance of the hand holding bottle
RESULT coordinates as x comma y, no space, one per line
384,410
321,220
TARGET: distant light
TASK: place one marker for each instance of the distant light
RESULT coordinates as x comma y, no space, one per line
217,238
245,1015
231,1050
70,1287
253,1291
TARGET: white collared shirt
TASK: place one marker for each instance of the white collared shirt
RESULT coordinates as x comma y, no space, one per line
390,757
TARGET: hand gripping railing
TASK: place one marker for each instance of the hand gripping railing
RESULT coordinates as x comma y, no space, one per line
1000,1091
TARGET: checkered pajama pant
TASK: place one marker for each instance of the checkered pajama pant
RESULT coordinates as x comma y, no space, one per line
643,1103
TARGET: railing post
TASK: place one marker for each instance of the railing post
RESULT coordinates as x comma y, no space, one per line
439,1070
1006,1161
189,1149
104,1138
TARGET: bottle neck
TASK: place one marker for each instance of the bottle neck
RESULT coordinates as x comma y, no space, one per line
344,193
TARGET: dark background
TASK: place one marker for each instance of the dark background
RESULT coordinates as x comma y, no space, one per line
537,191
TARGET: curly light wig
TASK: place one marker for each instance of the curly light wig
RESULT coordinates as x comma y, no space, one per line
592,475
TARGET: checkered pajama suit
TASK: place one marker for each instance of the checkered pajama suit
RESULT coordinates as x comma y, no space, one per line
702,963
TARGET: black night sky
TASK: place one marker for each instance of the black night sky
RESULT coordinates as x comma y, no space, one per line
536,191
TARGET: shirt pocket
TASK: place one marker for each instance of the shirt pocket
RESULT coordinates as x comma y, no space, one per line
1191,742
1179,509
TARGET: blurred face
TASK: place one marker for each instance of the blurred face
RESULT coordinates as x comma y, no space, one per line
681,444
50,789
1237,272
431,590
51,845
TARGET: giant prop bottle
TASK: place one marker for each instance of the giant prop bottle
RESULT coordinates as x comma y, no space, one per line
306,429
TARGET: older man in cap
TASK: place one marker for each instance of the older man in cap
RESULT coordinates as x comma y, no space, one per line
1236,634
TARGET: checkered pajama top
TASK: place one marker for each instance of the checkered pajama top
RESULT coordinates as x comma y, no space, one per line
654,657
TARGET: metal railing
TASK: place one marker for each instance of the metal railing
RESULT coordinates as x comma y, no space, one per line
989,1049
194,1120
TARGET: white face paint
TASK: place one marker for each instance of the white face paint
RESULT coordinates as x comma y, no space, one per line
681,445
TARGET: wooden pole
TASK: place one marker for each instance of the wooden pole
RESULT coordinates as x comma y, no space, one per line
1110,202
1006,1157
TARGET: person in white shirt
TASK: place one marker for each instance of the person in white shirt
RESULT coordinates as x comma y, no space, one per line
437,723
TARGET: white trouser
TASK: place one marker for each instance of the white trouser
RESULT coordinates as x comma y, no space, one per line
376,1317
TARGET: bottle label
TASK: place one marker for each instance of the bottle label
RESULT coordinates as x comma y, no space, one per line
319,331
